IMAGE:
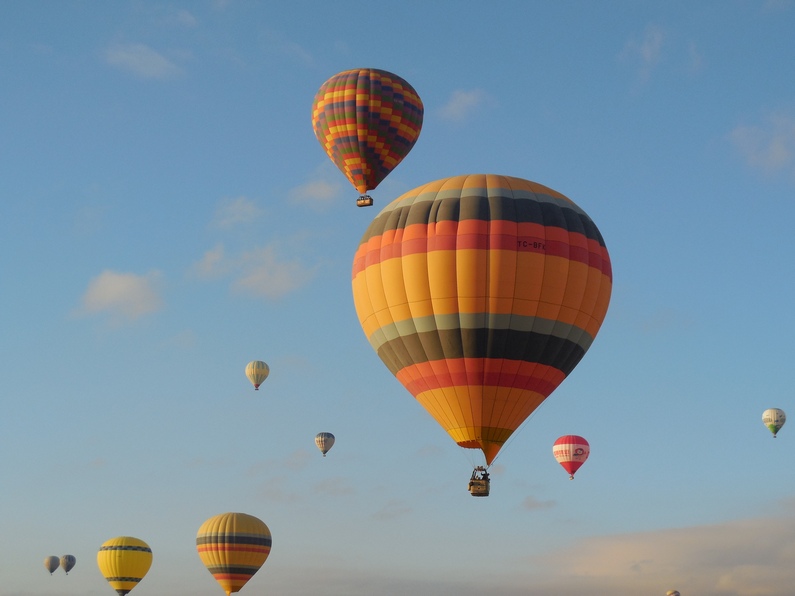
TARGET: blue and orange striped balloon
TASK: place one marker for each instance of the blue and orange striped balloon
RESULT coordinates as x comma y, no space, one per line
233,547
481,293
367,121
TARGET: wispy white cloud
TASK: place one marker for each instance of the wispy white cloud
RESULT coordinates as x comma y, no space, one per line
186,19
261,273
277,489
334,487
665,319
287,47
234,211
317,194
212,264
697,62
769,147
141,60
123,296
778,5
392,509
184,340
530,503
646,51
742,558
462,103
293,462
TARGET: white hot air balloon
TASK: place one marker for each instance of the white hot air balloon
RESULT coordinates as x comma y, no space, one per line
774,419
257,371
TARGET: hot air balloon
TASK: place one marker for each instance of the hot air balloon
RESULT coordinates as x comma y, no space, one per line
367,121
124,561
324,442
67,563
233,546
51,563
774,419
672,593
571,452
481,293
257,371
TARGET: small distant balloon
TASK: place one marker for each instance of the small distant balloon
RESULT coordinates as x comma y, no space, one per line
233,547
257,371
51,563
67,563
672,593
571,451
124,561
774,419
324,442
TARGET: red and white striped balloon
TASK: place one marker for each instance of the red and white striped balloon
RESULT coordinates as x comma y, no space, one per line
571,451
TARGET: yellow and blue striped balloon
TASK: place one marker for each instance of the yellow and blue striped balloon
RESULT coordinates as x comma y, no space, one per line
124,561
233,547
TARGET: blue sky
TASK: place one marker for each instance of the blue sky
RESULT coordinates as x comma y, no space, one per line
167,215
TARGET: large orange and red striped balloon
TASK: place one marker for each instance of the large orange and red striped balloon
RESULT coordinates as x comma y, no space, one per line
367,121
233,547
481,293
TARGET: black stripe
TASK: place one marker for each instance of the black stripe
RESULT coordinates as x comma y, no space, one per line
556,213
510,344
233,539
123,579
237,569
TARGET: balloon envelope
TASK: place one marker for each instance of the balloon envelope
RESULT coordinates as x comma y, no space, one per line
481,293
68,562
367,121
672,593
124,561
51,563
257,371
233,546
571,451
324,442
774,419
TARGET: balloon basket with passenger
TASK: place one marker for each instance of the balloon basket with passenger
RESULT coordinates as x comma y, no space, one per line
479,483
446,283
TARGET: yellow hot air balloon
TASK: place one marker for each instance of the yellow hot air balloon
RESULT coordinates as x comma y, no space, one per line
51,563
233,547
124,561
257,371
481,293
